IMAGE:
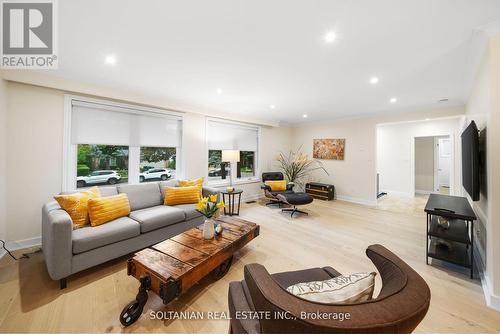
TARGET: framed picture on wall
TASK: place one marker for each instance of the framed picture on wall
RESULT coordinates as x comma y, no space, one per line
329,149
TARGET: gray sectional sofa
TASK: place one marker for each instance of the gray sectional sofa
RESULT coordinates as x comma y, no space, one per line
69,251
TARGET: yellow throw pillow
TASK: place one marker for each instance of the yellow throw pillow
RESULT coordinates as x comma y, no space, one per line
106,209
188,183
182,195
76,205
276,185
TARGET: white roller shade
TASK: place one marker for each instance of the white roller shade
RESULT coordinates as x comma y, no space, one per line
229,136
93,123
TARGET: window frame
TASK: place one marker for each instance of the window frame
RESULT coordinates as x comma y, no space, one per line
70,151
257,164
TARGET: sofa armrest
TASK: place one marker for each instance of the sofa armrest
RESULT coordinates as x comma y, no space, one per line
57,229
206,191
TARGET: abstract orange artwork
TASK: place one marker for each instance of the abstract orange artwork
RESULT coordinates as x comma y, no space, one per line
332,149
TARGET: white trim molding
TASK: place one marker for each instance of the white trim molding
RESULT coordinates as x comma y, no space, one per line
21,244
356,200
492,300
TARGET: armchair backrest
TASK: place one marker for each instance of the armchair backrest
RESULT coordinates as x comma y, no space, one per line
272,176
401,305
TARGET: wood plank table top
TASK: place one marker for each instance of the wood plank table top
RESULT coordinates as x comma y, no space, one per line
186,258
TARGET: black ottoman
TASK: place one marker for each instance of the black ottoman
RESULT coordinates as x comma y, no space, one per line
295,199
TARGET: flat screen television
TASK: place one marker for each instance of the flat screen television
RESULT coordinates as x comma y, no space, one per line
470,161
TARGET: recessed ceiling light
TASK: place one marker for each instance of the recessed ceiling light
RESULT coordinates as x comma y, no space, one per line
427,119
374,80
330,37
219,91
305,115
110,59
272,106
393,100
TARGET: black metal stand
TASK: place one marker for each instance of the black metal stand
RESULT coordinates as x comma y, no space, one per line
229,205
293,210
454,244
133,310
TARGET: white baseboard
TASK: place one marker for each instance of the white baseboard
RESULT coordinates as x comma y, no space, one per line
398,193
252,197
423,192
20,244
356,200
492,300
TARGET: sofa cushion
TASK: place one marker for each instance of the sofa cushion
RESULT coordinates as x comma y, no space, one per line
141,196
87,238
108,191
189,210
157,217
287,278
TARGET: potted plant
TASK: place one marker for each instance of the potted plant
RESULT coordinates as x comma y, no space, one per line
297,165
209,207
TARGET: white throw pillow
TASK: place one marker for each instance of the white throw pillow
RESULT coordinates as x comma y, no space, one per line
349,289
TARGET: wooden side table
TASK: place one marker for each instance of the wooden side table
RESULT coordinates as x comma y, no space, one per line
229,205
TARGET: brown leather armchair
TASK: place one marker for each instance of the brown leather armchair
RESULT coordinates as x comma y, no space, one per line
401,305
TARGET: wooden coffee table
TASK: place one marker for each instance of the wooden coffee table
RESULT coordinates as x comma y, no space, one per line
172,266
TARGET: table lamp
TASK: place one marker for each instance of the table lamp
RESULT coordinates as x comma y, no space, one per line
231,156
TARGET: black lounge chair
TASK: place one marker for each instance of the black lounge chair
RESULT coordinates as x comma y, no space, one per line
273,195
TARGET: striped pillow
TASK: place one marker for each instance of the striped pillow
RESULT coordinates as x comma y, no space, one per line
349,289
188,183
106,209
182,195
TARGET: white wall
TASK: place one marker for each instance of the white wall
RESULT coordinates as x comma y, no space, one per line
483,107
34,166
424,164
396,157
3,158
355,177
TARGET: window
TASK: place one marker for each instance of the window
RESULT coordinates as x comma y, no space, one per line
217,170
109,143
232,136
246,166
157,163
101,164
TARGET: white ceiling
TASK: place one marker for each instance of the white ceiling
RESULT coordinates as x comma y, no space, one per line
264,52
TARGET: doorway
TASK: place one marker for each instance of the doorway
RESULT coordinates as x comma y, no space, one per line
433,163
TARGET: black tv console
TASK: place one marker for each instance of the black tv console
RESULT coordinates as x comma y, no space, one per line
459,237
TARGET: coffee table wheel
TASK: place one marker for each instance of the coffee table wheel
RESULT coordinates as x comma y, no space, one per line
133,310
222,269
131,313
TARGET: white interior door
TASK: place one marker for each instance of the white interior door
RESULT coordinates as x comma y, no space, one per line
444,161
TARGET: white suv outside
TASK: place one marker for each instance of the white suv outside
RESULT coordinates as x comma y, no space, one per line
155,173
98,177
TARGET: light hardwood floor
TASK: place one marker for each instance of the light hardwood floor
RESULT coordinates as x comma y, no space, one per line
335,233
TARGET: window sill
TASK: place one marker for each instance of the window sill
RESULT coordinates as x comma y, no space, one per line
217,184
